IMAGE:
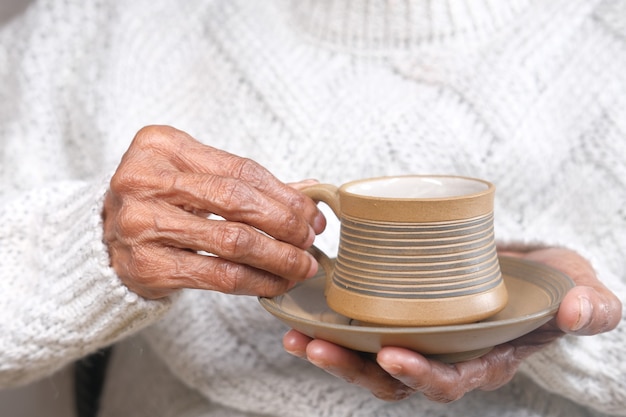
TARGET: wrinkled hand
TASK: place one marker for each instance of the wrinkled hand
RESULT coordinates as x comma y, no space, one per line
155,220
395,373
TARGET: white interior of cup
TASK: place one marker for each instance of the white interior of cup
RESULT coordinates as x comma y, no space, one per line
417,187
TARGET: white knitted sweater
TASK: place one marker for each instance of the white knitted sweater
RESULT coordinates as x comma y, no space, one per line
528,94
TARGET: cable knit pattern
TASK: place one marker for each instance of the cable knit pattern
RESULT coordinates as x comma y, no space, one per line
528,94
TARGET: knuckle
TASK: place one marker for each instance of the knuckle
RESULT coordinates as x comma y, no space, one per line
303,204
146,135
294,229
128,178
238,279
246,168
230,278
299,202
234,241
154,135
229,194
292,261
130,221
292,224
150,145
120,180
141,266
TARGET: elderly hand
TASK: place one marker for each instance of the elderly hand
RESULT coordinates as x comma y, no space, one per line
155,220
395,373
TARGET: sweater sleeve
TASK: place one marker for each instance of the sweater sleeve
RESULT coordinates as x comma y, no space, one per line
583,369
59,297
588,370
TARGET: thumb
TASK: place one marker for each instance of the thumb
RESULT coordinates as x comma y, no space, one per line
588,310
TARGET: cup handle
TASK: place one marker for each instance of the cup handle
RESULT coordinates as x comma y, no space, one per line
326,193
329,194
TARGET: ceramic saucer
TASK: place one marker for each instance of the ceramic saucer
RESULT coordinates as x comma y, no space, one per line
535,293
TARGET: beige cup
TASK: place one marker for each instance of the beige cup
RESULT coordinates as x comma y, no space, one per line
413,250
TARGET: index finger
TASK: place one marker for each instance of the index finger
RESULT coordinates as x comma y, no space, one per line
444,382
193,156
238,201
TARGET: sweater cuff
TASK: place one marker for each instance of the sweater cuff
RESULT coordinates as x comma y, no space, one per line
65,300
88,288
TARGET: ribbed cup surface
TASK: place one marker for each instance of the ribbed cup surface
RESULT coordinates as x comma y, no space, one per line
414,250
417,260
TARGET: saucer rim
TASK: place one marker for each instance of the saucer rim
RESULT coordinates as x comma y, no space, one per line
508,263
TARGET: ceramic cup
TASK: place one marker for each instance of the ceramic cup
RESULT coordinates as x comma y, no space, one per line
413,250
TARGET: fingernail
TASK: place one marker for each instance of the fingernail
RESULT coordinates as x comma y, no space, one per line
388,363
319,223
392,369
584,315
296,353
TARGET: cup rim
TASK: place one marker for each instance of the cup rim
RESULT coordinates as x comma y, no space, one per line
490,188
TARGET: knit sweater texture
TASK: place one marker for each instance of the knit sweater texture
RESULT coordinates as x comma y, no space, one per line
530,95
